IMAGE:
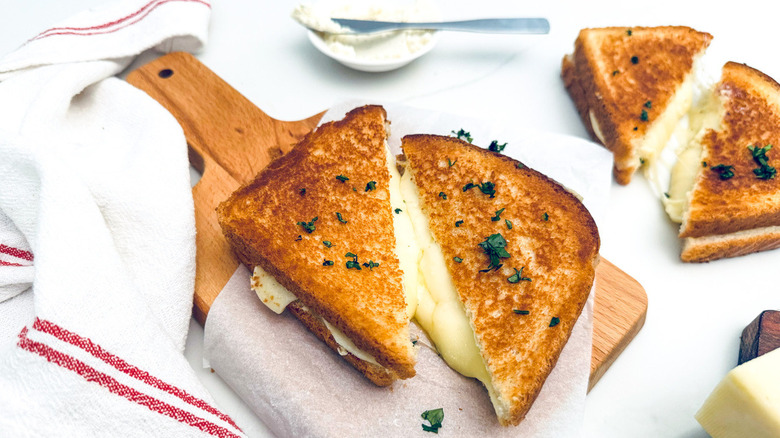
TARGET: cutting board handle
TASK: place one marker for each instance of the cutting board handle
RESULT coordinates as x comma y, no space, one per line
230,140
219,123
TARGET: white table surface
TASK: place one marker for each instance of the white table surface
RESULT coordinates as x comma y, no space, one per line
696,311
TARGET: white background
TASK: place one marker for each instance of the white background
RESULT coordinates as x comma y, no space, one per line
696,311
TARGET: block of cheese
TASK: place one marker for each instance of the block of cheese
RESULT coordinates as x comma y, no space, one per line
746,403
761,336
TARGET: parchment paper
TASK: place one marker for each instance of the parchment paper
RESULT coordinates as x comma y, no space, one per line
299,387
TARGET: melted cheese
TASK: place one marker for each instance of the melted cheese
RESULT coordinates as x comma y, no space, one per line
690,160
661,129
440,311
405,243
275,296
746,403
347,346
596,127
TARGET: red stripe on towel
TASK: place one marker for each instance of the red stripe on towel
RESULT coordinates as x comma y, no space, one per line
92,375
121,23
16,252
120,364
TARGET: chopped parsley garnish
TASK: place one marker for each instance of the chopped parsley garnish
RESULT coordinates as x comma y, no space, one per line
458,223
629,32
648,104
457,259
521,312
352,264
495,147
546,216
371,185
519,165
724,172
308,226
643,117
641,160
554,321
765,171
341,219
463,135
486,187
636,128
434,417
508,224
703,164
494,248
342,178
443,195
517,277
497,217
398,210
635,60
371,265
299,238
326,262
615,72
302,191
666,195
327,243
451,163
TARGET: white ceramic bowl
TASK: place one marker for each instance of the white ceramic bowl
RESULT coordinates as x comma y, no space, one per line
372,65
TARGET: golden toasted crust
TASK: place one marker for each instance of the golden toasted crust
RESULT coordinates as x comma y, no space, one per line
620,69
380,376
261,221
708,248
572,84
751,117
553,239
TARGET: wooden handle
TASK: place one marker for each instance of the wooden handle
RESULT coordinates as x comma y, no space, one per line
619,313
217,120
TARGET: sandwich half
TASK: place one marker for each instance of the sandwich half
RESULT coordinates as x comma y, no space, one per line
507,260
316,226
724,189
631,86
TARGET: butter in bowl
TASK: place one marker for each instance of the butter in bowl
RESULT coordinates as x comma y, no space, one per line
376,52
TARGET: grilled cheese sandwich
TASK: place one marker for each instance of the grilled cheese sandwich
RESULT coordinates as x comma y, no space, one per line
316,226
631,86
505,324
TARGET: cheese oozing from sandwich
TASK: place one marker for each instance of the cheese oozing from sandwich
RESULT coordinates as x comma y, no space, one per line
690,160
661,129
275,296
746,403
439,310
405,243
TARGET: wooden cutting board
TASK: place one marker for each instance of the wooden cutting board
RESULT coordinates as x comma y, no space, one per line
230,140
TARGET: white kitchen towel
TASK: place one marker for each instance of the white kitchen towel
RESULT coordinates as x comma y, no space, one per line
97,234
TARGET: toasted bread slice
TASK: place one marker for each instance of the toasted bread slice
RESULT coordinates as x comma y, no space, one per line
631,86
301,216
468,194
735,210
